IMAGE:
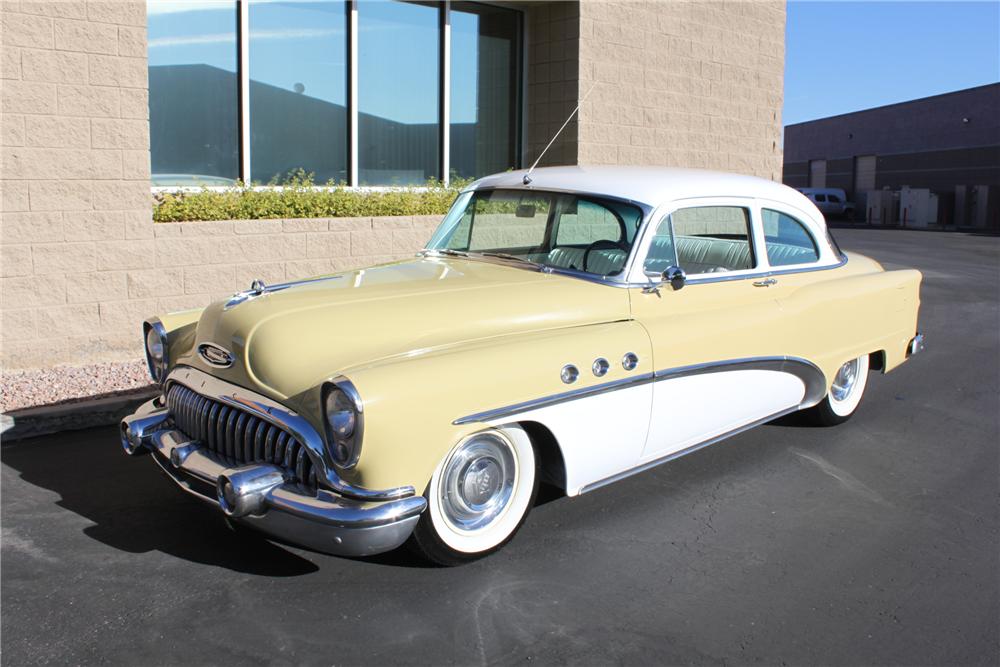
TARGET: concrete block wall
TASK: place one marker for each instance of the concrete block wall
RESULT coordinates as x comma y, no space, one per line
552,33
683,83
75,176
80,311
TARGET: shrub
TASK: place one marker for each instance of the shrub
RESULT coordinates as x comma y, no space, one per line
296,196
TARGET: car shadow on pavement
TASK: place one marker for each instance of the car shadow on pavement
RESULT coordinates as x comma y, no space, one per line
133,506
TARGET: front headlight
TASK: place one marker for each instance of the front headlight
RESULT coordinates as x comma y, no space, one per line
156,350
344,420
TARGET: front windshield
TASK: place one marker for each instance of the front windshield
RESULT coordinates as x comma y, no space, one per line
559,230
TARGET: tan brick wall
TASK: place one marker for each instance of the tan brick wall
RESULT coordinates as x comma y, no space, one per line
83,302
679,83
552,33
75,172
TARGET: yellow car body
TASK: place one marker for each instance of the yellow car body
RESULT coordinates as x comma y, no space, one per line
440,347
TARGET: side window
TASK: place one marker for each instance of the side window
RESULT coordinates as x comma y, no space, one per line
834,199
706,239
819,197
787,240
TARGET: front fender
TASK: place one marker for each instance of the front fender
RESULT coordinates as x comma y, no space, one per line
412,403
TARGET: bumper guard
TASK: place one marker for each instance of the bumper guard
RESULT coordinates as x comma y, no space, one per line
259,495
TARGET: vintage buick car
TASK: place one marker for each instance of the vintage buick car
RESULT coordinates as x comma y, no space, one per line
576,325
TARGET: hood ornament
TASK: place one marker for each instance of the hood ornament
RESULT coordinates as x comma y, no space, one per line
259,288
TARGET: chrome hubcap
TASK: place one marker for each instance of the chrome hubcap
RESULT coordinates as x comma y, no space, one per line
845,381
478,482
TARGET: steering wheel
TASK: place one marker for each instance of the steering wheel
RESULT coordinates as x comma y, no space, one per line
602,244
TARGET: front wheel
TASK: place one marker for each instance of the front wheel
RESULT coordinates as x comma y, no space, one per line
845,394
478,497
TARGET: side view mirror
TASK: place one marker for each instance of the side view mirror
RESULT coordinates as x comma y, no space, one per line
675,276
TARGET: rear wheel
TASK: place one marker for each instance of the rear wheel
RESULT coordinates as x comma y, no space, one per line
845,394
478,497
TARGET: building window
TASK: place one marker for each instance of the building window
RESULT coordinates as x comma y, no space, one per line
193,93
292,66
398,93
298,90
484,78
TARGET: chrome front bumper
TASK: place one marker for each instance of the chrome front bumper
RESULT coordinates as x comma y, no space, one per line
258,495
915,345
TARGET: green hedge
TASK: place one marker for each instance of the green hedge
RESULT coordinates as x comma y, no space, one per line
299,197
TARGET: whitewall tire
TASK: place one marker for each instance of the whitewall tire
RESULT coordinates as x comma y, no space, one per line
478,497
846,392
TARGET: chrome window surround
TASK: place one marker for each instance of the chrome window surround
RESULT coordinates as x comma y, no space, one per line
156,325
810,374
618,280
287,419
629,277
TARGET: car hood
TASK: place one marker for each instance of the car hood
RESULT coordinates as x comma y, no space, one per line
287,341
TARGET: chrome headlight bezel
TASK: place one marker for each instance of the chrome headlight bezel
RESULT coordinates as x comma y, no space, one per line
343,422
155,364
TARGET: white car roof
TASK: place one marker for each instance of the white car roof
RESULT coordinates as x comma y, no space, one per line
647,185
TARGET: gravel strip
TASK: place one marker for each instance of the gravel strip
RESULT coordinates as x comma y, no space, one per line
66,384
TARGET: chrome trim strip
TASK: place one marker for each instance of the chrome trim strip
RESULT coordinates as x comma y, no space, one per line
810,374
709,278
284,418
554,399
676,455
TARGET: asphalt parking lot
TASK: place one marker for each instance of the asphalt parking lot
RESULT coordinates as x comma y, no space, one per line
872,543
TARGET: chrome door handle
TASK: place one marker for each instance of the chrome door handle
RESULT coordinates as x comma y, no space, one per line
765,283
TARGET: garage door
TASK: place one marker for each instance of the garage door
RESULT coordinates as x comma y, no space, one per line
817,173
864,173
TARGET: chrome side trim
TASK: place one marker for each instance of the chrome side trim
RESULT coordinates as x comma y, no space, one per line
284,418
554,399
810,374
676,455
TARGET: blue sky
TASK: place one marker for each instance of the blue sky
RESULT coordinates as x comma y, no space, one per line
847,56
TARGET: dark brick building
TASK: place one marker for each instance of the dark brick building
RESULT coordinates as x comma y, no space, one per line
947,143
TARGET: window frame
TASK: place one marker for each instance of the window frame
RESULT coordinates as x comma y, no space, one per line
805,227
242,29
748,204
830,257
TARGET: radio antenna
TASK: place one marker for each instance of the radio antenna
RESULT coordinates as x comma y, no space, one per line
527,176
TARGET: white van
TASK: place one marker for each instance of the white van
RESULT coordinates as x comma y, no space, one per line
830,201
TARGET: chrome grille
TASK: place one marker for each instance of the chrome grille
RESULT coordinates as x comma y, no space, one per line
238,436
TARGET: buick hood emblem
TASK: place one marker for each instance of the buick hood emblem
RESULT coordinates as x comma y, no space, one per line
215,355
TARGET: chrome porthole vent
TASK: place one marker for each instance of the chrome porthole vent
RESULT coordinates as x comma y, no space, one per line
600,367
569,373
630,361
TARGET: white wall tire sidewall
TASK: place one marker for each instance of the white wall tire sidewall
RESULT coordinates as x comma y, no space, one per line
849,404
488,537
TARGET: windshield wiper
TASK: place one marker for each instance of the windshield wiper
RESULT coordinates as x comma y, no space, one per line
449,252
506,255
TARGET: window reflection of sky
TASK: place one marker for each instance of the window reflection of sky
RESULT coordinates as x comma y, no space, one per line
305,42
